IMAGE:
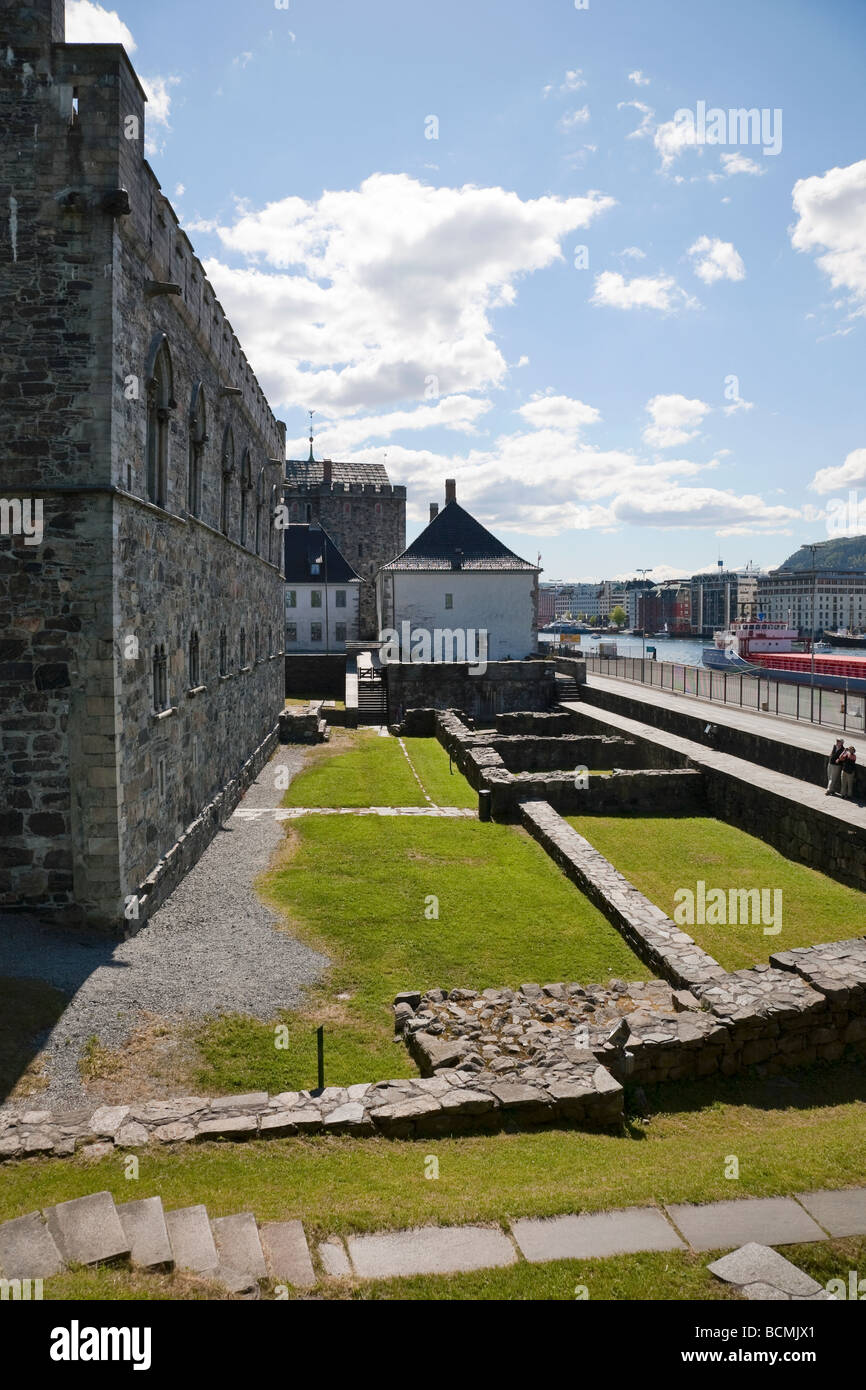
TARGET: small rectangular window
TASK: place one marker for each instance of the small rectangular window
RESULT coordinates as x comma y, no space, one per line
449,600
315,598
315,632
291,632
341,598
340,632
291,598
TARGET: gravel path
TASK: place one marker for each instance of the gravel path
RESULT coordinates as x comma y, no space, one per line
212,948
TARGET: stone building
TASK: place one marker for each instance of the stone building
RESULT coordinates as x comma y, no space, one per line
363,514
322,592
456,577
140,651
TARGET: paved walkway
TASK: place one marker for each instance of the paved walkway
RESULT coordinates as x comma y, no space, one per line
792,732
847,813
238,1252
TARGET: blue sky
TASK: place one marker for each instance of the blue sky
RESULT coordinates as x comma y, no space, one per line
688,385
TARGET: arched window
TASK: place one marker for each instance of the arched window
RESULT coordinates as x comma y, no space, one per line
224,653
242,648
261,520
197,440
228,468
246,490
160,679
159,386
194,663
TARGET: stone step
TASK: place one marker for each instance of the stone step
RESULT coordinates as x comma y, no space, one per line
28,1249
238,1244
143,1222
192,1241
87,1230
287,1254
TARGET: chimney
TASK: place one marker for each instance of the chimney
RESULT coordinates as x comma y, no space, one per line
434,510
450,490
327,472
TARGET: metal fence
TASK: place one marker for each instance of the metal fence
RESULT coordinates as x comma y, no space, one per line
835,709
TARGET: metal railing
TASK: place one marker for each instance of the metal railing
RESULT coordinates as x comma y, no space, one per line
834,709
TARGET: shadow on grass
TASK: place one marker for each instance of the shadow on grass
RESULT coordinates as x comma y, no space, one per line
808,1088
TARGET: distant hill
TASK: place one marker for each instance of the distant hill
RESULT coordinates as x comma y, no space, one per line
843,553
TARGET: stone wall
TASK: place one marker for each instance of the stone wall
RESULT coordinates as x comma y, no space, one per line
317,676
505,685
101,787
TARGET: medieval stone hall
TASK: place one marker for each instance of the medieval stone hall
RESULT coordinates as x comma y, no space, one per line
141,667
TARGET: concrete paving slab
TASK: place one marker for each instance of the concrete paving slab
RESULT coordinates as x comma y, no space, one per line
192,1241
87,1230
841,1213
287,1254
28,1249
595,1234
144,1225
430,1250
238,1244
335,1261
756,1264
724,1225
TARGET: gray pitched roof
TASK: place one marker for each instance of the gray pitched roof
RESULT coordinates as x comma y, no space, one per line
455,540
307,545
303,472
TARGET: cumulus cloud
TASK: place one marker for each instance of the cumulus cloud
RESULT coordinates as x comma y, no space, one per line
691,507
831,213
851,473
158,109
638,78
642,292
572,82
646,115
87,22
713,259
358,299
574,118
675,419
671,138
337,438
738,163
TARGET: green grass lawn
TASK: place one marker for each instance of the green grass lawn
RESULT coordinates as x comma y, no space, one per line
790,1135
359,889
362,768
662,854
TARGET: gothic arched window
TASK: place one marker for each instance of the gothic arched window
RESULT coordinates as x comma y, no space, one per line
246,490
160,403
224,653
197,440
160,679
194,662
228,468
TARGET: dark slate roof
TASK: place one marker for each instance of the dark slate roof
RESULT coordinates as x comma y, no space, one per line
455,540
305,545
305,473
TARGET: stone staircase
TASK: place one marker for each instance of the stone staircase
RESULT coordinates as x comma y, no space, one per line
230,1250
567,688
372,697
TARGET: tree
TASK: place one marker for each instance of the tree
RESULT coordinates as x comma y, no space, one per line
618,617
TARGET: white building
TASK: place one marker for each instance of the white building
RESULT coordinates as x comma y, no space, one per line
840,599
322,593
457,578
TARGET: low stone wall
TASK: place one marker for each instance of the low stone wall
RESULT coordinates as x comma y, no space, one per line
544,723
309,673
300,725
505,685
662,792
191,845
574,666
562,753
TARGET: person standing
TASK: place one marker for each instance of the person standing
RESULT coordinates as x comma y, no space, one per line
834,770
848,762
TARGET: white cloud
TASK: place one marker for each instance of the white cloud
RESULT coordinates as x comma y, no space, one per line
738,163
851,473
693,507
713,259
572,82
242,59
671,138
158,109
674,420
179,190
638,78
558,412
643,292
574,118
336,438
831,210
646,114
355,300
632,253
87,22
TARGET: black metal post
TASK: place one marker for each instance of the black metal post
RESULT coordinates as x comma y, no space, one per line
320,1051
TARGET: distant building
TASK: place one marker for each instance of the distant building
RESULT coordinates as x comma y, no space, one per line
666,608
322,592
457,576
840,599
546,604
363,514
720,597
